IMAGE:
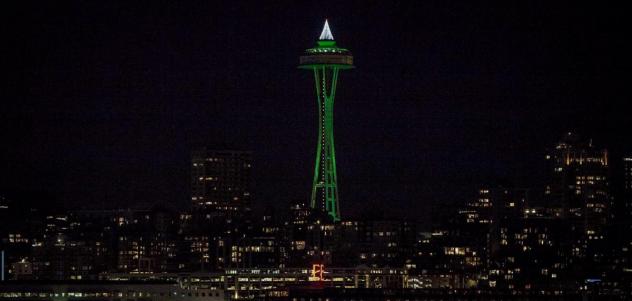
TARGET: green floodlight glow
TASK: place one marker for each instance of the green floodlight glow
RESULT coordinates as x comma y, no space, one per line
326,60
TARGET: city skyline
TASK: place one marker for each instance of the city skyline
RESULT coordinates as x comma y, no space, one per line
447,94
162,152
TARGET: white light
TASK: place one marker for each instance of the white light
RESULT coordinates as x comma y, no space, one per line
326,34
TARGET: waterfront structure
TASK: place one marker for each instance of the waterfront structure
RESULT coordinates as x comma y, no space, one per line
259,283
221,179
360,283
109,290
326,60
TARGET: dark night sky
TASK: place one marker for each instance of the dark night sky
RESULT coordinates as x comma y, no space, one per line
106,100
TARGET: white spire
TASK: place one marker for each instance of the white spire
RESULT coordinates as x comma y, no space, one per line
326,34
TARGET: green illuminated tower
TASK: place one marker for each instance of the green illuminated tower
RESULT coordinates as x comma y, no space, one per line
326,60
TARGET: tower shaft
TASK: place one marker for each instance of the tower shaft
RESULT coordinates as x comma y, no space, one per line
325,184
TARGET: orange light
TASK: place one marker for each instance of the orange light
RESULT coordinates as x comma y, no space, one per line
317,272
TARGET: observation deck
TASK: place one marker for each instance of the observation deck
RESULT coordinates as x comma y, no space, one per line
326,53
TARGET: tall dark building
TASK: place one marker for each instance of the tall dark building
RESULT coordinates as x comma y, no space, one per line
578,192
578,181
624,227
627,184
221,179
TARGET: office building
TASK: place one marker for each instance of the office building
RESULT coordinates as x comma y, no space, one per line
221,179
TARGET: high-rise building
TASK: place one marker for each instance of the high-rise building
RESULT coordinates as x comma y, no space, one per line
578,190
326,60
221,179
625,218
578,179
627,184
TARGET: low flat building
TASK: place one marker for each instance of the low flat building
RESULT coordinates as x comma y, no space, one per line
106,290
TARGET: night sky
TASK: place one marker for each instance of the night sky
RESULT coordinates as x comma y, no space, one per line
106,100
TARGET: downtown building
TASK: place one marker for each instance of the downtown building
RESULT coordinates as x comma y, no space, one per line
624,222
218,230
578,182
221,179
578,191
563,239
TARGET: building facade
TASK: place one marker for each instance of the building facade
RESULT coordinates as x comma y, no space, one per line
221,179
578,191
